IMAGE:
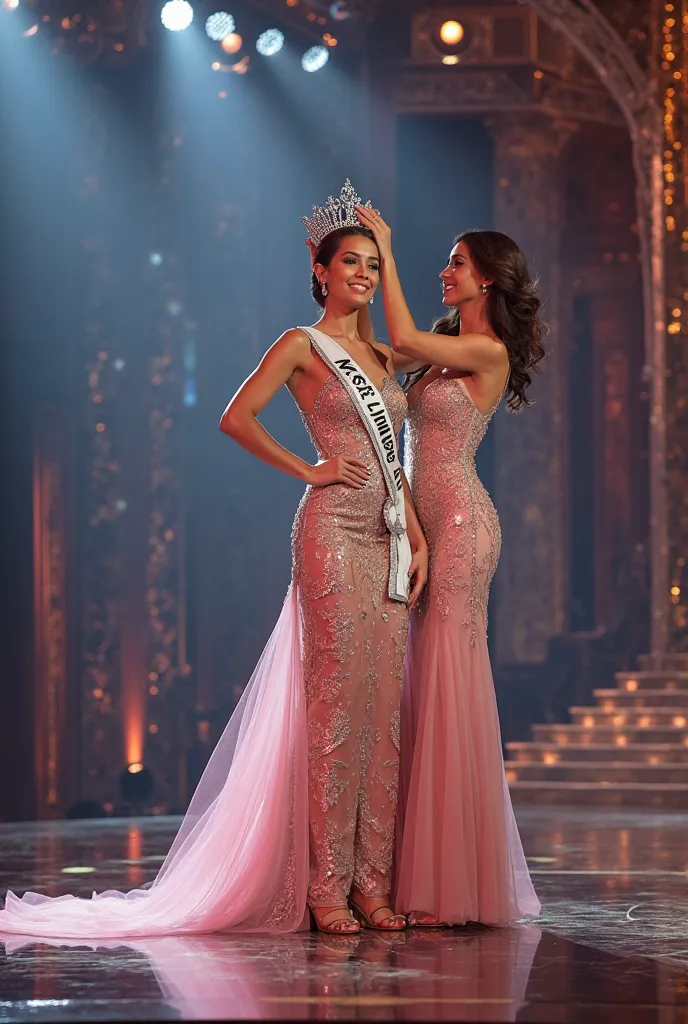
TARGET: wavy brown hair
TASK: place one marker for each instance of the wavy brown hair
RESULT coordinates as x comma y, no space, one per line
512,306
328,249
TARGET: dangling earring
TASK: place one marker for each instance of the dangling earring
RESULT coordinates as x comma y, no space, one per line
484,288
372,299
323,288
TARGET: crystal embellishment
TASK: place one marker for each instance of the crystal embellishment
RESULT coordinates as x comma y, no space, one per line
335,214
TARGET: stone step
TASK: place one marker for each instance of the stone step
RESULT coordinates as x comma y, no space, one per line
637,753
664,795
610,699
597,773
645,718
668,662
650,680
621,736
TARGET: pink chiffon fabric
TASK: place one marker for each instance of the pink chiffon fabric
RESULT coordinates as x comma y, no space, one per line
459,855
241,857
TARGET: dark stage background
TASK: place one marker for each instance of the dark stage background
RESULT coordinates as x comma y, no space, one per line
152,250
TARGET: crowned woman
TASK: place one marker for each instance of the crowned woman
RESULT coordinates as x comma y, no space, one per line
296,808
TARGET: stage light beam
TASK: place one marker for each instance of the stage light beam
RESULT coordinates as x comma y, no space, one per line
315,58
270,42
177,15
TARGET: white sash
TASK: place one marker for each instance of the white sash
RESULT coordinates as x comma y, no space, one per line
371,408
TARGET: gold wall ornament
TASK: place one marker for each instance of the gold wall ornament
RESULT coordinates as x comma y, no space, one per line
670,70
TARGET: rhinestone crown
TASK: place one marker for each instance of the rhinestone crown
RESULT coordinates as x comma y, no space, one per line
335,214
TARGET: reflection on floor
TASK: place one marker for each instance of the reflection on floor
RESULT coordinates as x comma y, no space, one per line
612,942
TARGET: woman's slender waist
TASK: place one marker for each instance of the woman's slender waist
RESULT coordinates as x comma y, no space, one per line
446,485
340,507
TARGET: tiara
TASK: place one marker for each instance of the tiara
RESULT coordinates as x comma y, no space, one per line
336,214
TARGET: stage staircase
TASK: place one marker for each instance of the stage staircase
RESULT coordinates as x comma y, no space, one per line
630,749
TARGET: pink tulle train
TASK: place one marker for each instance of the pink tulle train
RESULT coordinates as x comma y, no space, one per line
240,859
459,854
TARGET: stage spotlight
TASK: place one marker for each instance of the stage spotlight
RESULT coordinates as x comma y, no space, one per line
451,32
177,15
315,58
232,43
452,38
219,26
270,42
136,784
11,5
340,10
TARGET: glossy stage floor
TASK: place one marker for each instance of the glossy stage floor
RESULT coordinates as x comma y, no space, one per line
611,944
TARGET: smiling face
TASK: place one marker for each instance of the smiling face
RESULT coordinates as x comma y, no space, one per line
353,273
460,279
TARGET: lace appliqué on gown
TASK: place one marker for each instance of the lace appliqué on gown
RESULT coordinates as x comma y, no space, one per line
458,518
459,855
354,644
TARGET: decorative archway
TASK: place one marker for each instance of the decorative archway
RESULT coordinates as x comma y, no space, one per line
586,28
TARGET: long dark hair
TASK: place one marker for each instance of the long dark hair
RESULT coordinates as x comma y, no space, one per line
512,307
328,249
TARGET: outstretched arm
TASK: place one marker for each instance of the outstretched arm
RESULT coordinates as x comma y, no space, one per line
401,363
473,353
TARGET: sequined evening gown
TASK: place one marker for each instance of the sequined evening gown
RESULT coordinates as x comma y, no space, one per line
459,854
354,644
298,801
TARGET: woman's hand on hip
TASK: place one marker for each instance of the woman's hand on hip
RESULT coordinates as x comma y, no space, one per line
342,469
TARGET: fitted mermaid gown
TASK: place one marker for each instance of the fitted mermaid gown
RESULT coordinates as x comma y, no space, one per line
459,854
354,645
299,799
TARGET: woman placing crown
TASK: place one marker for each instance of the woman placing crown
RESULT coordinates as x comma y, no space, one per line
459,857
297,805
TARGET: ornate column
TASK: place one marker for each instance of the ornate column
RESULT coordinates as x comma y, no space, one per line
531,584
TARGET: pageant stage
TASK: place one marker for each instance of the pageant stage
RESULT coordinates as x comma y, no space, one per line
611,944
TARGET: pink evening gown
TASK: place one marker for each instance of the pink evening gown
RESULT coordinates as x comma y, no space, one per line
459,855
298,801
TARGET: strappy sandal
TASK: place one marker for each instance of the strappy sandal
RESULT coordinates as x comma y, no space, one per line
418,919
389,923
340,926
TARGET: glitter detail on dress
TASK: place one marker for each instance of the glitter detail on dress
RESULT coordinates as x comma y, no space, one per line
459,856
458,518
354,639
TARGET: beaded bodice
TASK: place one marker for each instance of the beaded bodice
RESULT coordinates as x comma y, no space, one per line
334,419
458,518
451,424
335,428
